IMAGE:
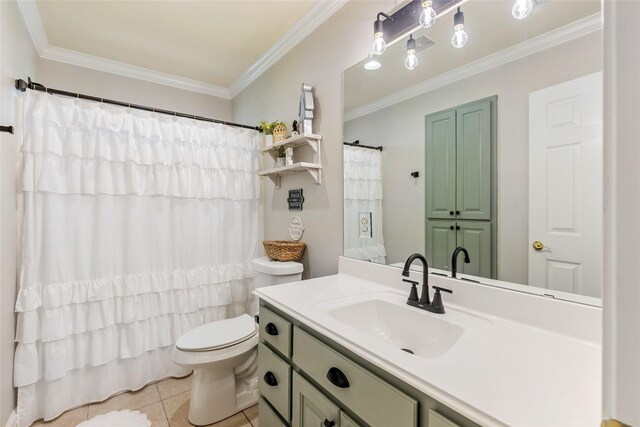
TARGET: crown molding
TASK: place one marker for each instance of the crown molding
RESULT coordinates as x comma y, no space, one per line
545,41
31,17
311,20
319,13
114,67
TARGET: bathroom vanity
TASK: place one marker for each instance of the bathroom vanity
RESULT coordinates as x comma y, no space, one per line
346,350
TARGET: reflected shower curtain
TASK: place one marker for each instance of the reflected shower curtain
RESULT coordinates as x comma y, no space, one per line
136,227
363,237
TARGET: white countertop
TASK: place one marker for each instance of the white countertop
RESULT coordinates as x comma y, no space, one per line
500,372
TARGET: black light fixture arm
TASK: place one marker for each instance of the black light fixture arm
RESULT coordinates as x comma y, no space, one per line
22,86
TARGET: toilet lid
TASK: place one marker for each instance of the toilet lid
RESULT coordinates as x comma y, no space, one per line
218,334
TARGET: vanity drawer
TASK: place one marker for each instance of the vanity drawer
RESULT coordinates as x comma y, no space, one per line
378,403
267,415
276,331
437,420
274,380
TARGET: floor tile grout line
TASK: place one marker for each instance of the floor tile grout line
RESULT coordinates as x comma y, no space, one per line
166,416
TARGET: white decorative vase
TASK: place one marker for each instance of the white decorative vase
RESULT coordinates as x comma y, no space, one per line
279,161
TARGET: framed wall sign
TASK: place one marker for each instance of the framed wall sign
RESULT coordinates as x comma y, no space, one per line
296,229
295,200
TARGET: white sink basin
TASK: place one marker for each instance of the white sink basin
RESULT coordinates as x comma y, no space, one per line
406,328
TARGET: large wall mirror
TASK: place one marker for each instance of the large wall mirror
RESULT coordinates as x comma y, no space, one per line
495,146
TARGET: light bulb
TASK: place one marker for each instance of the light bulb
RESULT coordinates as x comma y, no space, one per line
379,45
428,15
412,60
372,64
460,37
522,9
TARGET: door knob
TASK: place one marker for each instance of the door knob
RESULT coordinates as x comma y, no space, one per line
538,245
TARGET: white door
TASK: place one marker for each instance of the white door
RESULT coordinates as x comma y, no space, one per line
565,186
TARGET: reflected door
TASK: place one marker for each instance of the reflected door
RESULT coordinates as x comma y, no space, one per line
565,186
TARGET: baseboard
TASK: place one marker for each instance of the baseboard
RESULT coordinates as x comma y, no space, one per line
13,420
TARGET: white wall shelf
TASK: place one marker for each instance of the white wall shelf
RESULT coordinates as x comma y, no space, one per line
313,168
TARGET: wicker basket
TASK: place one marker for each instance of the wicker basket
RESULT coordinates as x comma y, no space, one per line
283,250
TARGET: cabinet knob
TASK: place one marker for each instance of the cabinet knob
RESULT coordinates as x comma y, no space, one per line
328,423
270,379
457,227
451,213
451,227
271,329
457,212
337,378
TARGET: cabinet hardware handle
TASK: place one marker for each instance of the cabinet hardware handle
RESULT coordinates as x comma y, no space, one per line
270,379
457,212
451,227
271,329
457,227
328,423
451,213
337,378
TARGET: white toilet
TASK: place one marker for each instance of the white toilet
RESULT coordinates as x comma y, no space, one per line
223,354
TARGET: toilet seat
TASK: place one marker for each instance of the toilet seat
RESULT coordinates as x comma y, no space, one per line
218,334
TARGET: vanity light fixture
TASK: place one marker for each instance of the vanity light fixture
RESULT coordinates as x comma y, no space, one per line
372,64
412,60
379,45
428,14
522,9
460,37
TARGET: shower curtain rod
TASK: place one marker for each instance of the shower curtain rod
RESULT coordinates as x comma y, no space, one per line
22,86
356,143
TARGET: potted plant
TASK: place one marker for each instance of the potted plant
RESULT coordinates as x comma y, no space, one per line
280,153
267,130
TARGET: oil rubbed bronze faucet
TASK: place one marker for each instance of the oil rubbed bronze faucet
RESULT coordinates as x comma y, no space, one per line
454,259
424,302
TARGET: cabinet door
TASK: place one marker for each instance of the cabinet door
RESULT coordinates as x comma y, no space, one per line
441,241
473,172
441,165
345,421
310,407
475,236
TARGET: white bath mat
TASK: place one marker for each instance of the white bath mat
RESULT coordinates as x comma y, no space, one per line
119,419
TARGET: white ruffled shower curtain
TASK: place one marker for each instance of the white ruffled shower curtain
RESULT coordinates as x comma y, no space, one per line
136,227
363,195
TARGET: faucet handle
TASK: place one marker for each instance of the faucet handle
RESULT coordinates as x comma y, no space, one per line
437,306
413,294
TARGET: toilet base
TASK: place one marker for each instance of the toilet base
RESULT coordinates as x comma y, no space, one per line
217,394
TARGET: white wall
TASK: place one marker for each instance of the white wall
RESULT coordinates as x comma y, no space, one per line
400,129
17,57
105,85
621,297
319,60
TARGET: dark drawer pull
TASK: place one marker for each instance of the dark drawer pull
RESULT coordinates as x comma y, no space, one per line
328,423
271,329
337,378
270,379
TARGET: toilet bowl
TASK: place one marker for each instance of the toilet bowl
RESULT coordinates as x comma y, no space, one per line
223,354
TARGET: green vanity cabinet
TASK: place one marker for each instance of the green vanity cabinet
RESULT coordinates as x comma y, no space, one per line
310,407
441,165
460,186
323,385
441,241
473,161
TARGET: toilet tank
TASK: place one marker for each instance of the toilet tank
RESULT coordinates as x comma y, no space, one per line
268,272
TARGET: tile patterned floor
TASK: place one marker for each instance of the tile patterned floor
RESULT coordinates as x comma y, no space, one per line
165,403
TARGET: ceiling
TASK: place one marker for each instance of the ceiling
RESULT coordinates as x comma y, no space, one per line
491,30
207,46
